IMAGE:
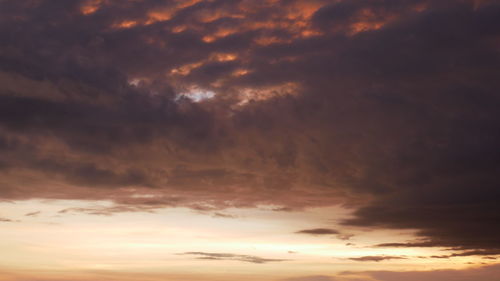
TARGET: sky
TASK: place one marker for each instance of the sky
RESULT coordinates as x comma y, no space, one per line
269,140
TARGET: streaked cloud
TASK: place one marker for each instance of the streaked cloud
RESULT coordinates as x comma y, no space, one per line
33,214
226,256
377,258
318,231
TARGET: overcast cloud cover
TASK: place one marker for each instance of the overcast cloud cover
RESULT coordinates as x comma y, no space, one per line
387,107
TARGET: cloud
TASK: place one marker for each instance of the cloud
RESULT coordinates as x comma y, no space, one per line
377,258
485,253
318,231
462,253
312,278
487,273
109,211
390,109
408,244
326,231
33,214
223,215
345,237
226,256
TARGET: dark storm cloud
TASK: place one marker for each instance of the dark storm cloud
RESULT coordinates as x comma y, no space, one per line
388,108
226,256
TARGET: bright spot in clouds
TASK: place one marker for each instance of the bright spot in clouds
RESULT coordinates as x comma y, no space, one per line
197,95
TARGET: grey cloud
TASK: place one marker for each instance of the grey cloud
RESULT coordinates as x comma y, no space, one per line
227,256
486,273
377,258
485,253
33,214
223,215
408,244
109,211
319,231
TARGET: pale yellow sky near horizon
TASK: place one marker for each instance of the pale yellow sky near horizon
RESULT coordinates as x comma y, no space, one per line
42,240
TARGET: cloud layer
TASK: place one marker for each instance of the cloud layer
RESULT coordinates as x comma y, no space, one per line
227,256
487,273
388,108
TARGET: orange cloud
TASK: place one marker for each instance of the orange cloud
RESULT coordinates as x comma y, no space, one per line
91,6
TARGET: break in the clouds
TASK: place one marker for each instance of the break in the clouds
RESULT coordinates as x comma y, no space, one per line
389,108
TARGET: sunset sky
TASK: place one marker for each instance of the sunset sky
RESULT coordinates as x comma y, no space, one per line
252,140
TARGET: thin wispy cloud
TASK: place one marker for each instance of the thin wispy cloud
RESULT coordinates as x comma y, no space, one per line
377,258
227,256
